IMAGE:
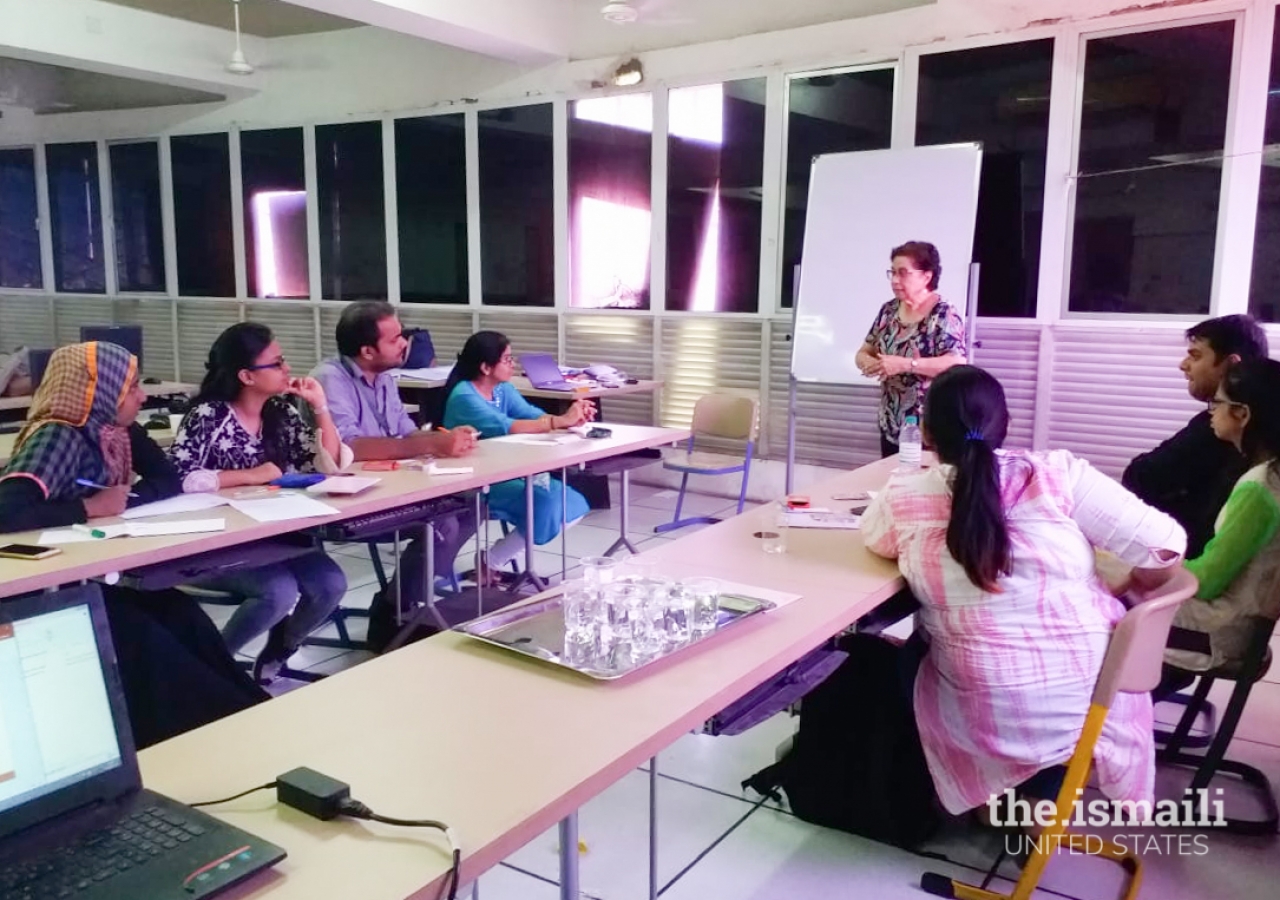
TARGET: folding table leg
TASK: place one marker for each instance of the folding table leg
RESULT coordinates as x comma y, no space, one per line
653,828
569,889
623,540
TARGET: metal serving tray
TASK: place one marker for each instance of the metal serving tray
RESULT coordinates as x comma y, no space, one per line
537,630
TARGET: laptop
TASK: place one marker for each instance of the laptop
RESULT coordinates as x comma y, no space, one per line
127,336
75,820
543,372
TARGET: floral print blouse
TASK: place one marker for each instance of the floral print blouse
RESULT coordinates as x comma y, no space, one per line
211,439
939,333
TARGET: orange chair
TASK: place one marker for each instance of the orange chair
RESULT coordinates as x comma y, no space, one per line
1132,665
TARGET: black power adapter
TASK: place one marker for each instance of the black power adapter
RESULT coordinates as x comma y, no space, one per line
313,793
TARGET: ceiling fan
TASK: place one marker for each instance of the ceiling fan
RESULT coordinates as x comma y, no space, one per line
238,65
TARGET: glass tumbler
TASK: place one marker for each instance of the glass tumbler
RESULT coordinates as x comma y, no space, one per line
706,603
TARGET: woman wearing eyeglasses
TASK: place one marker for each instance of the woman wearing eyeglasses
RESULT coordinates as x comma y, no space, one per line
243,430
915,338
1239,567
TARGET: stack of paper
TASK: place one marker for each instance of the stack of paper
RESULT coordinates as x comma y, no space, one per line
434,373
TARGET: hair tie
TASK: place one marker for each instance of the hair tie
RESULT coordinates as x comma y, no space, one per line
973,434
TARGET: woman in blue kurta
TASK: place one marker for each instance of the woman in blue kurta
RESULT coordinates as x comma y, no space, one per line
480,395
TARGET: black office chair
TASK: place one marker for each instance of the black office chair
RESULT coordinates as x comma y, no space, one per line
1247,672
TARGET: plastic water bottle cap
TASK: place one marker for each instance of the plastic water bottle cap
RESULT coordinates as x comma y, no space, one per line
912,420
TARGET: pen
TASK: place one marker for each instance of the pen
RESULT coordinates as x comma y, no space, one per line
92,532
85,482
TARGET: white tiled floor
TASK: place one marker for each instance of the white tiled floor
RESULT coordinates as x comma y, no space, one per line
717,843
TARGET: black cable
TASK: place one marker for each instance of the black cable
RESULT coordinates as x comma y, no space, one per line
261,787
357,810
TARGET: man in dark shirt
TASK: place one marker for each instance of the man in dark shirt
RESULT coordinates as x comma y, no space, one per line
1190,475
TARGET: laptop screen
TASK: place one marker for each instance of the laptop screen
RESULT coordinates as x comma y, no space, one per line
56,723
541,368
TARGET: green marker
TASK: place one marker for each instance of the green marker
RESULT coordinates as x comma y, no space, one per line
92,532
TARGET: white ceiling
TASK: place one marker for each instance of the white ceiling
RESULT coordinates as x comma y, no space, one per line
47,89
265,18
673,23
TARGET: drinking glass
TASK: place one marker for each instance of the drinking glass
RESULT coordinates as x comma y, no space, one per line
706,603
580,616
598,571
679,614
773,538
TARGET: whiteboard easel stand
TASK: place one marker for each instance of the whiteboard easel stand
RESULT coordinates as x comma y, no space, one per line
971,330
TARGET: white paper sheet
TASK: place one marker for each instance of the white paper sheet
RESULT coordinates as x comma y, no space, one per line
132,529
435,373
283,507
185,526
541,439
811,519
351,484
179,504
434,469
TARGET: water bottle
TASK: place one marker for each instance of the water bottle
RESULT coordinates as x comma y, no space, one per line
909,446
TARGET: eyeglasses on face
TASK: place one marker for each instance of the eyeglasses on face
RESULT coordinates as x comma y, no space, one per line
1219,401
278,364
901,273
507,360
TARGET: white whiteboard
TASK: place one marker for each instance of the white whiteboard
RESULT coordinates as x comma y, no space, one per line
861,206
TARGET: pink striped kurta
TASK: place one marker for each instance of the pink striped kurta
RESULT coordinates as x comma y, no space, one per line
1005,687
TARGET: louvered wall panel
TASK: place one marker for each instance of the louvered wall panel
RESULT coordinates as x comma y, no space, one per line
25,321
294,327
69,313
1012,354
835,424
1116,391
199,324
156,319
527,333
449,329
703,355
622,341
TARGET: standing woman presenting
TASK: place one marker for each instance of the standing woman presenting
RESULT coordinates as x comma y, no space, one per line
915,338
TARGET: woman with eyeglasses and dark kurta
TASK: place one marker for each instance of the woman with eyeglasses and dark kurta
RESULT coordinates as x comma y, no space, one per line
243,430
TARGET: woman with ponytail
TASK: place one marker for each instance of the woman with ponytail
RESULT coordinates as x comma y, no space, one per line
998,546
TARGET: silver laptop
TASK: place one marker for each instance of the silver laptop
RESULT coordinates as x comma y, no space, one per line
544,373
75,820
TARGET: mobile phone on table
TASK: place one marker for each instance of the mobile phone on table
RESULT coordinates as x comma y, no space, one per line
28,551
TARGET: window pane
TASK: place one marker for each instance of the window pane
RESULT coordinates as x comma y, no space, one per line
135,210
715,152
1146,213
610,214
1263,302
431,200
517,218
829,113
273,172
202,215
75,212
1000,96
353,229
19,221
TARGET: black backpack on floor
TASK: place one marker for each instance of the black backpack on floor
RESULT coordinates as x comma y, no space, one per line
857,763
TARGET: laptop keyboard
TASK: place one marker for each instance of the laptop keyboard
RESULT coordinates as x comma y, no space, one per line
98,856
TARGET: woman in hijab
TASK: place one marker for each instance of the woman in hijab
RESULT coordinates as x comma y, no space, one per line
76,460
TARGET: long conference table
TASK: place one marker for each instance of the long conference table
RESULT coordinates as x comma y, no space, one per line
492,461
500,746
